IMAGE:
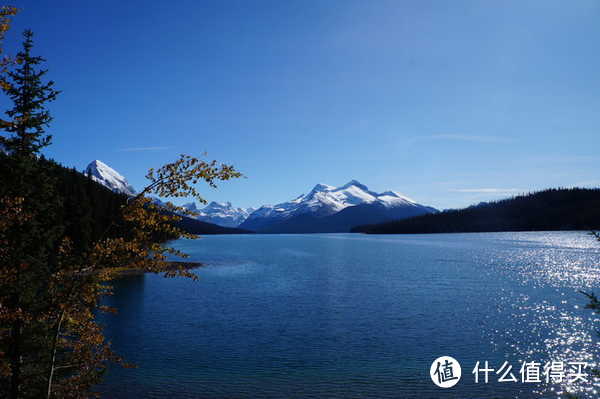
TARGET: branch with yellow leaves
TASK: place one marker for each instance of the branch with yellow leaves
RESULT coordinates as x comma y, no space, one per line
147,219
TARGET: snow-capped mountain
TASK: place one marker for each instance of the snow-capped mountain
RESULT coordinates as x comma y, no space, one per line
324,209
221,213
108,177
327,208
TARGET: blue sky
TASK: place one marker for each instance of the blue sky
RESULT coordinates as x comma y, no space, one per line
450,103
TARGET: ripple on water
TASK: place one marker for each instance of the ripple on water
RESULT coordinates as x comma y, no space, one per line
357,316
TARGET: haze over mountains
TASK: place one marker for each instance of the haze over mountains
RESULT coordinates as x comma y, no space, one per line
324,209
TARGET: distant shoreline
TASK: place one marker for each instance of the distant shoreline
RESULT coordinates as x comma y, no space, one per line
548,210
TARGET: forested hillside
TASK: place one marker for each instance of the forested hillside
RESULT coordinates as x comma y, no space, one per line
90,211
63,237
553,209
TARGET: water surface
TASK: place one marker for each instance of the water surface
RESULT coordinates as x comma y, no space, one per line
356,316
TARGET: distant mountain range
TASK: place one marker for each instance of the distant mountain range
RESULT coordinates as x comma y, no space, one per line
325,209
353,207
553,209
328,209
221,213
110,178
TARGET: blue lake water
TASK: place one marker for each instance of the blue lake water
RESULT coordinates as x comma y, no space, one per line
357,316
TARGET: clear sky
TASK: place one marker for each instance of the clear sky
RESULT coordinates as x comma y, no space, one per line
448,102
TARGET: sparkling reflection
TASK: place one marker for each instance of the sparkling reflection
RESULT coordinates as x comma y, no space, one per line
551,330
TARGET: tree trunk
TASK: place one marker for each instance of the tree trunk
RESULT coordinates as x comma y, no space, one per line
51,367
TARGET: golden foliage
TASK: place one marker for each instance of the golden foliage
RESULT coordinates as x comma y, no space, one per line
48,300
76,351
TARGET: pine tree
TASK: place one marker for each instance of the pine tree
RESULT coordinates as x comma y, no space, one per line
55,263
29,116
31,239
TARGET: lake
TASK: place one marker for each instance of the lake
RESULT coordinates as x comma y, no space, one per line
358,316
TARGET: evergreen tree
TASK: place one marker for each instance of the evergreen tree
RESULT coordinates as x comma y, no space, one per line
31,239
59,246
30,95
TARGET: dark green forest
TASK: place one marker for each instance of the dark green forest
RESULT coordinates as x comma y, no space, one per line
553,209
63,237
91,211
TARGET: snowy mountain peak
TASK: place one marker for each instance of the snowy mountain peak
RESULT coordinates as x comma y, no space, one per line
190,206
396,194
354,183
325,200
322,187
223,205
108,177
221,213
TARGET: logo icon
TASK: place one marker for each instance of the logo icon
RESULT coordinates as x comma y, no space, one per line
445,371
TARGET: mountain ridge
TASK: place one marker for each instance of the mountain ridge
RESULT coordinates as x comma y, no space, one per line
324,208
316,211
108,177
220,213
